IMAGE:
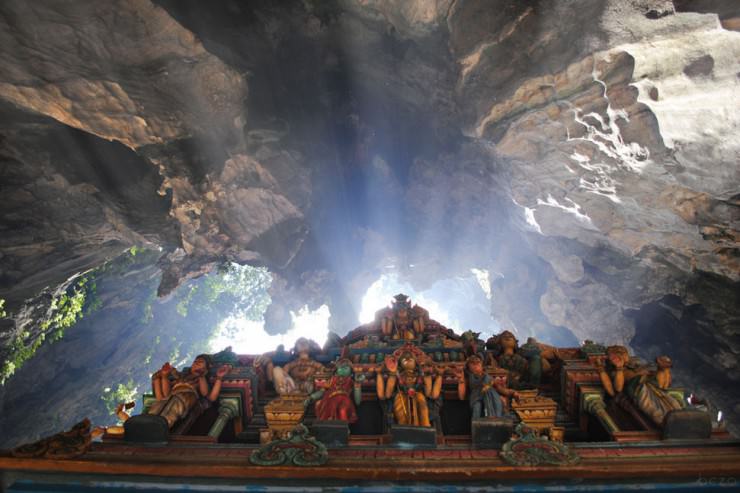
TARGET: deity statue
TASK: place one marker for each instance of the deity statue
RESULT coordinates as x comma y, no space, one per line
410,386
403,321
541,359
176,397
484,394
509,359
645,388
333,402
297,375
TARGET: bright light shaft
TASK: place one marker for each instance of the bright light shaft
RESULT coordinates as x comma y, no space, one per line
249,337
380,293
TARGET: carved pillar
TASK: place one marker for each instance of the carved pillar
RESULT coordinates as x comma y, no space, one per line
228,409
592,402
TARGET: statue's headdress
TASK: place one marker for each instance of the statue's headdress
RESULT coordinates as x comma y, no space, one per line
401,301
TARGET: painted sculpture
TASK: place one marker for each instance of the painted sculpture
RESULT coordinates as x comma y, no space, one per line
409,385
297,375
644,387
485,396
337,400
403,321
177,393
423,381
511,360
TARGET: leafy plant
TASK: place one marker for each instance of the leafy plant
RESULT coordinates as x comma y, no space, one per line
234,289
65,311
124,392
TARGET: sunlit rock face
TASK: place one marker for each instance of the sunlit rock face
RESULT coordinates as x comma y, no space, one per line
583,154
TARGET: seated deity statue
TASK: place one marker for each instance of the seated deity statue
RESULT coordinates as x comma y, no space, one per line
337,399
485,396
644,387
541,358
410,387
177,396
403,321
509,359
297,375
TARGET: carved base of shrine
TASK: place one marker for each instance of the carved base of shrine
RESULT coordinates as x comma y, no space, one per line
332,433
413,436
491,432
687,424
146,428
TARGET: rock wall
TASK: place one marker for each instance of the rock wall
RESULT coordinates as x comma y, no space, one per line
584,153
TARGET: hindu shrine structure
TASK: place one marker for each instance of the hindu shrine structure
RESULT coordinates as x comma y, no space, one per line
402,399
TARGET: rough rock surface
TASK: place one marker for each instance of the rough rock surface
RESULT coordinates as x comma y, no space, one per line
584,153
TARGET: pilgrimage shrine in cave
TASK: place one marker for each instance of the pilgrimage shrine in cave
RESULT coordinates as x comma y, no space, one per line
400,399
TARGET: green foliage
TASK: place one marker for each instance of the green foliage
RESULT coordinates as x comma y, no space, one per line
147,312
233,290
183,304
94,303
124,392
3,313
65,311
20,352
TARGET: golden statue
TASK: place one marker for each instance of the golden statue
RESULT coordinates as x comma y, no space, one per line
403,321
645,388
410,386
297,375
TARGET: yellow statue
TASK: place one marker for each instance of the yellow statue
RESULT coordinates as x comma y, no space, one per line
297,375
402,321
412,386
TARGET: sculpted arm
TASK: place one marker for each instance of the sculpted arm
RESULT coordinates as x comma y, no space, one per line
213,395
390,386
606,381
428,385
437,387
619,380
166,386
357,394
461,389
385,326
379,383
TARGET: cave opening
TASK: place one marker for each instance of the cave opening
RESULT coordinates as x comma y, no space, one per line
180,177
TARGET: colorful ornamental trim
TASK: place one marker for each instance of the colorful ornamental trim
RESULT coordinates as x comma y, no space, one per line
531,450
301,449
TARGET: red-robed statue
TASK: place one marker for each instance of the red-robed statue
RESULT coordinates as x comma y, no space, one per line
335,400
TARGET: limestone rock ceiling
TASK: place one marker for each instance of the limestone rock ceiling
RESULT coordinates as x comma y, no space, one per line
585,153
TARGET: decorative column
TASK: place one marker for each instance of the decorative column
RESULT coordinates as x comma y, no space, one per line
592,402
228,409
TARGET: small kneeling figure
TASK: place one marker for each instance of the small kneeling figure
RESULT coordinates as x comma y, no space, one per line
334,402
484,394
